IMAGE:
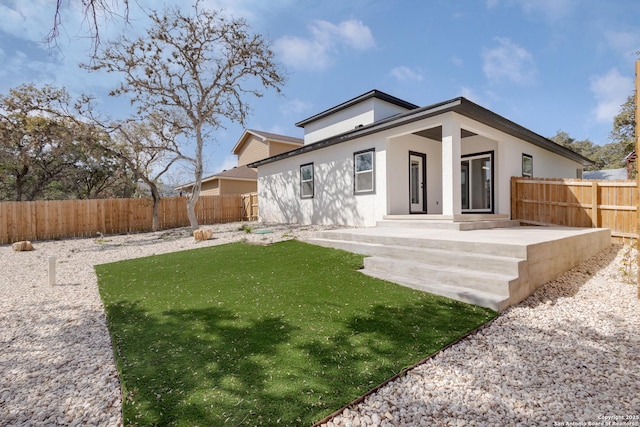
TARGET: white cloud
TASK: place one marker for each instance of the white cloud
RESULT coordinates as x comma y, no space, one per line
295,107
471,95
457,61
550,10
302,53
610,90
624,42
508,61
326,42
352,33
25,19
229,162
404,74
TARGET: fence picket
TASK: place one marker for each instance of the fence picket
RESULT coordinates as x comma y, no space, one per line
576,203
44,220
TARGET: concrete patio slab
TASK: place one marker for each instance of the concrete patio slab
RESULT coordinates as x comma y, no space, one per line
495,267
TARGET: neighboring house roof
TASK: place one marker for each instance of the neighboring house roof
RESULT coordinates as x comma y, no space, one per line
372,94
459,105
608,174
238,173
265,136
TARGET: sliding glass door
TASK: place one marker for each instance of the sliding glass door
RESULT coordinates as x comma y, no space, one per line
477,183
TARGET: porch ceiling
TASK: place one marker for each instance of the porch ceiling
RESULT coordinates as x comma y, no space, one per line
436,133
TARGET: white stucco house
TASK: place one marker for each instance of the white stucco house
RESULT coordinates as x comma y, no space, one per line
377,156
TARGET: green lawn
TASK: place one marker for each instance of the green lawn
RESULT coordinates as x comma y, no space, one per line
244,334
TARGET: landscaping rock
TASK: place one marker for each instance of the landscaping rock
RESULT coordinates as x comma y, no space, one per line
56,360
203,234
568,353
22,246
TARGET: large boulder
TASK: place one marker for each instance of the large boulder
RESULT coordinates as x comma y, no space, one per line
24,245
203,234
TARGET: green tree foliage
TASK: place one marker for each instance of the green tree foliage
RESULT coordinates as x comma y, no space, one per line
584,147
613,154
624,125
196,69
45,152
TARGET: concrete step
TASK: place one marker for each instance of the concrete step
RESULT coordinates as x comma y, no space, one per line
463,277
472,296
470,260
410,238
492,268
447,225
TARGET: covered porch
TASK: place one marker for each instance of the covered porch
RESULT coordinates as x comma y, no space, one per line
450,167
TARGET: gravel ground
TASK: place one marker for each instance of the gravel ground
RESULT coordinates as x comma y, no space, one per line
56,361
567,354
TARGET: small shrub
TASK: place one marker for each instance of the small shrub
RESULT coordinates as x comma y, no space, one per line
629,262
245,228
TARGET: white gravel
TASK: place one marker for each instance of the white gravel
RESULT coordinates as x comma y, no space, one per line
56,361
568,354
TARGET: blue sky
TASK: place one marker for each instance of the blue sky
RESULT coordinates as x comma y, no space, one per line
548,65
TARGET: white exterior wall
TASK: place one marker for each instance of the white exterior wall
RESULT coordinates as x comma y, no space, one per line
507,159
333,201
398,173
363,113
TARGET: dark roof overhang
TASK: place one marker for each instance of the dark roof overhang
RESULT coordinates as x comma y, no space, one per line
358,99
459,105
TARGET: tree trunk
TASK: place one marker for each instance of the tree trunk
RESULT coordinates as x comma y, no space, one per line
155,194
191,209
197,183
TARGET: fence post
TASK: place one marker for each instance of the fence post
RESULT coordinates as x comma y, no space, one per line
637,135
594,204
513,199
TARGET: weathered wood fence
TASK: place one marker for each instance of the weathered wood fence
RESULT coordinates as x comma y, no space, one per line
250,207
577,203
57,219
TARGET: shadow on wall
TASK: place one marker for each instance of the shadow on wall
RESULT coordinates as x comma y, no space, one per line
333,202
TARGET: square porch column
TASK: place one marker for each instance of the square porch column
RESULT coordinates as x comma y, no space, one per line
451,181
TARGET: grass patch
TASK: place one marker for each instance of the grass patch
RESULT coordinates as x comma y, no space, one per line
245,334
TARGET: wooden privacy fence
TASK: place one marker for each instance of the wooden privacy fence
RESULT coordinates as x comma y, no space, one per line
57,219
250,206
577,203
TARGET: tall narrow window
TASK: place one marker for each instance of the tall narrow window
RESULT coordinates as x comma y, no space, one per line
477,183
527,165
306,181
363,172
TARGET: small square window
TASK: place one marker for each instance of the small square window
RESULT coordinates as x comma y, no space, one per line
527,165
306,181
363,172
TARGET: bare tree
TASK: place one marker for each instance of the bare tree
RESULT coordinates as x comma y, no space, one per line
197,69
95,11
149,148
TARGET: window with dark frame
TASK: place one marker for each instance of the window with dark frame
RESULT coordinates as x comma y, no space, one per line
527,165
363,172
306,181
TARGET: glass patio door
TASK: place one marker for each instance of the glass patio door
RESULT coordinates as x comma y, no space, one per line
477,183
417,177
